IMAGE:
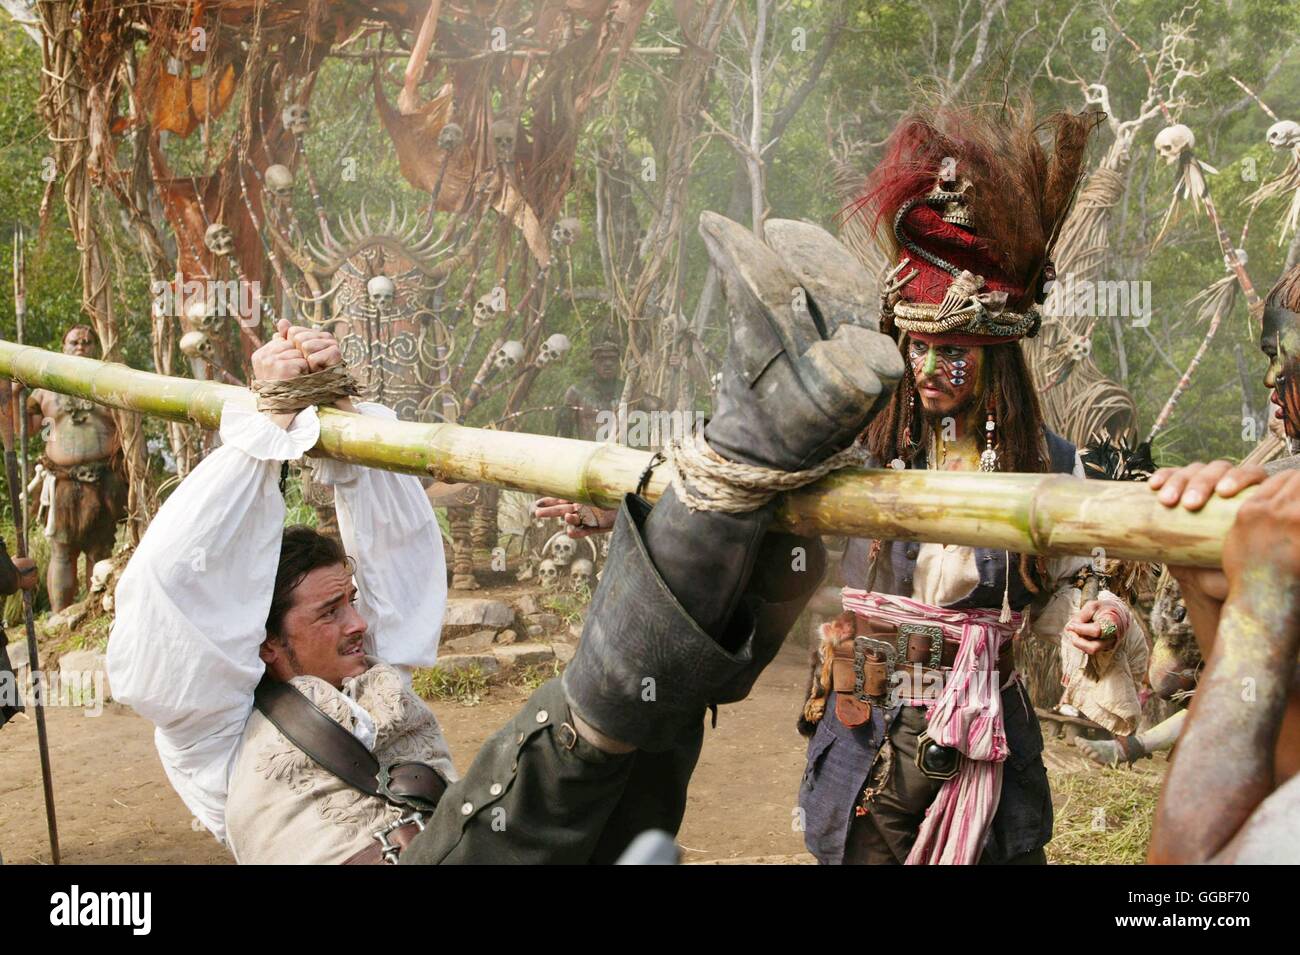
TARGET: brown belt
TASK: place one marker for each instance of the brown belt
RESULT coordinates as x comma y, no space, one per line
863,665
389,842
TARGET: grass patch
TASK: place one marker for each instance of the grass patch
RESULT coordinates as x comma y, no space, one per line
569,604
1103,817
463,685
534,675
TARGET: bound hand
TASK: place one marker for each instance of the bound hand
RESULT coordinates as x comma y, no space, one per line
319,347
279,359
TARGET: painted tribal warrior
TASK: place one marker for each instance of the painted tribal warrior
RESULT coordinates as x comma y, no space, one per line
85,487
923,744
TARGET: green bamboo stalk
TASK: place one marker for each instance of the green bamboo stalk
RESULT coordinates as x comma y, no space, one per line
1048,514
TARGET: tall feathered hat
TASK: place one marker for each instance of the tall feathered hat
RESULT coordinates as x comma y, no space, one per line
967,202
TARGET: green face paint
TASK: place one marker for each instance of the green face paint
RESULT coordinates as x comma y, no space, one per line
931,357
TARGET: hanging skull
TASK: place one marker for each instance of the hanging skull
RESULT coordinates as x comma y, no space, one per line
553,349
503,140
219,240
195,344
580,572
508,356
203,315
1079,347
563,549
1173,141
296,118
548,574
566,231
483,310
380,290
450,137
279,180
1241,257
1284,134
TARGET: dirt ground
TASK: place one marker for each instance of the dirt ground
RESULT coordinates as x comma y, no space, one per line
115,806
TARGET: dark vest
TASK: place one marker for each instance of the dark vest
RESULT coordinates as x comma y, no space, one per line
839,758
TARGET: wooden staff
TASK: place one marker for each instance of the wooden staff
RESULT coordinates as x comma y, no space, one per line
1052,514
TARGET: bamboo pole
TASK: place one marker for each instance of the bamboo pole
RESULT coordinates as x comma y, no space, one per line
1049,514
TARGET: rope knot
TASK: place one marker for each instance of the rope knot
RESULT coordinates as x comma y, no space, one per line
317,388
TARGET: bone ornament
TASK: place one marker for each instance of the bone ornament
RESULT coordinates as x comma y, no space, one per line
1284,134
1079,347
548,574
563,549
1173,141
380,289
508,356
219,240
450,137
278,180
566,231
296,118
503,140
553,349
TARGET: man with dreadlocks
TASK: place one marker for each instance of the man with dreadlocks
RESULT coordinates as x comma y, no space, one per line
915,706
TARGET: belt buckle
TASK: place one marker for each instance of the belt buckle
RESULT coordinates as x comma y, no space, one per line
932,633
860,647
388,850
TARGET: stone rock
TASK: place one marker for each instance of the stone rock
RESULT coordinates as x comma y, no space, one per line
17,651
547,621
85,670
464,661
476,642
534,630
507,637
466,615
524,654
564,651
527,604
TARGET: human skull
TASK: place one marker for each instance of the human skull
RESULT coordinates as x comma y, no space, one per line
1284,134
563,549
508,355
380,290
548,574
450,137
219,239
566,231
296,118
553,349
195,344
203,314
279,180
580,572
1173,141
503,140
99,575
483,310
1079,347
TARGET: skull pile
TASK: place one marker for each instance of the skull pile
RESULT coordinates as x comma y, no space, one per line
553,349
580,573
1173,141
563,549
548,574
508,356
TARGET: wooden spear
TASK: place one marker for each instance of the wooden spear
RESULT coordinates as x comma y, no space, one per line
1049,514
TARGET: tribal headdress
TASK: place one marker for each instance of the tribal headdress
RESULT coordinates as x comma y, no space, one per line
967,204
